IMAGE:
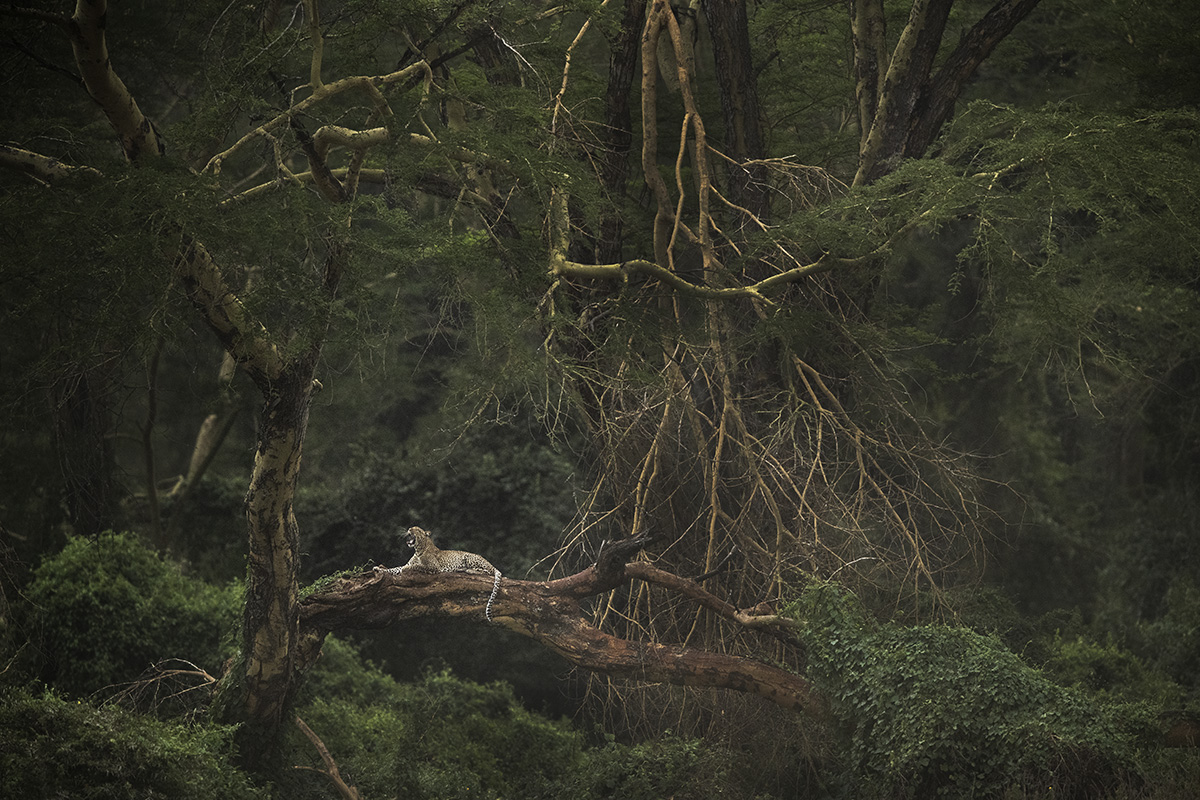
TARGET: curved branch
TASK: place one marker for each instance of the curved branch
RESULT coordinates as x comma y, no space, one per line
549,613
370,84
138,136
771,623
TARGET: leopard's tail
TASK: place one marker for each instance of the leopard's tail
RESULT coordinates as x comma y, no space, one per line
487,611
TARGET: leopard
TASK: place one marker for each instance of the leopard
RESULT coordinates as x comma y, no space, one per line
428,557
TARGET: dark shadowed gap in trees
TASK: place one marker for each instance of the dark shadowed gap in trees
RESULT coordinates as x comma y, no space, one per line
728,28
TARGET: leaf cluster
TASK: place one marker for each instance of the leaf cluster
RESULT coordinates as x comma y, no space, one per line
935,710
54,747
109,608
441,737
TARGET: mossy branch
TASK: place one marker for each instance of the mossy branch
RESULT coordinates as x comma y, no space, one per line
549,613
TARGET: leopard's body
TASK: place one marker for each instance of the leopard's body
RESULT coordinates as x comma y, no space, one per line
427,557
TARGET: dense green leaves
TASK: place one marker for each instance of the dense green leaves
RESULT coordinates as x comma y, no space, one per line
109,609
934,710
441,737
54,747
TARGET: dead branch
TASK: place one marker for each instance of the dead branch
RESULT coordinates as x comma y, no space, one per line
344,790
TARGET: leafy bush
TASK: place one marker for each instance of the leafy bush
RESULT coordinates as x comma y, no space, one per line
109,608
57,748
1174,638
946,711
1107,670
669,767
444,738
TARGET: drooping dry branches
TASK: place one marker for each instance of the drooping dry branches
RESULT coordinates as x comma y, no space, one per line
738,439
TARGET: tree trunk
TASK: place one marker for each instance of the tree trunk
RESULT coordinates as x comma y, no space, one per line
613,156
271,616
882,145
902,105
83,441
728,26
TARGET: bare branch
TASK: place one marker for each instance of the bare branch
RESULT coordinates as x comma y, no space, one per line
318,45
344,790
40,167
370,84
757,290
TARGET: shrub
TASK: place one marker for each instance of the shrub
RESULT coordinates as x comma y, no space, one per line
58,748
443,738
936,710
109,608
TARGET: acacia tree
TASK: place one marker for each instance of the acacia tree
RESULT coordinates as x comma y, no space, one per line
715,341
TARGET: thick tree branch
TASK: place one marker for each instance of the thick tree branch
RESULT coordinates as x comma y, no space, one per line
906,74
138,136
40,167
867,31
549,613
242,336
329,186
771,623
945,87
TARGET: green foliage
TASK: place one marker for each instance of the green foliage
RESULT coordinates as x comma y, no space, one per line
109,608
443,738
54,747
1107,671
1173,640
668,767
946,711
